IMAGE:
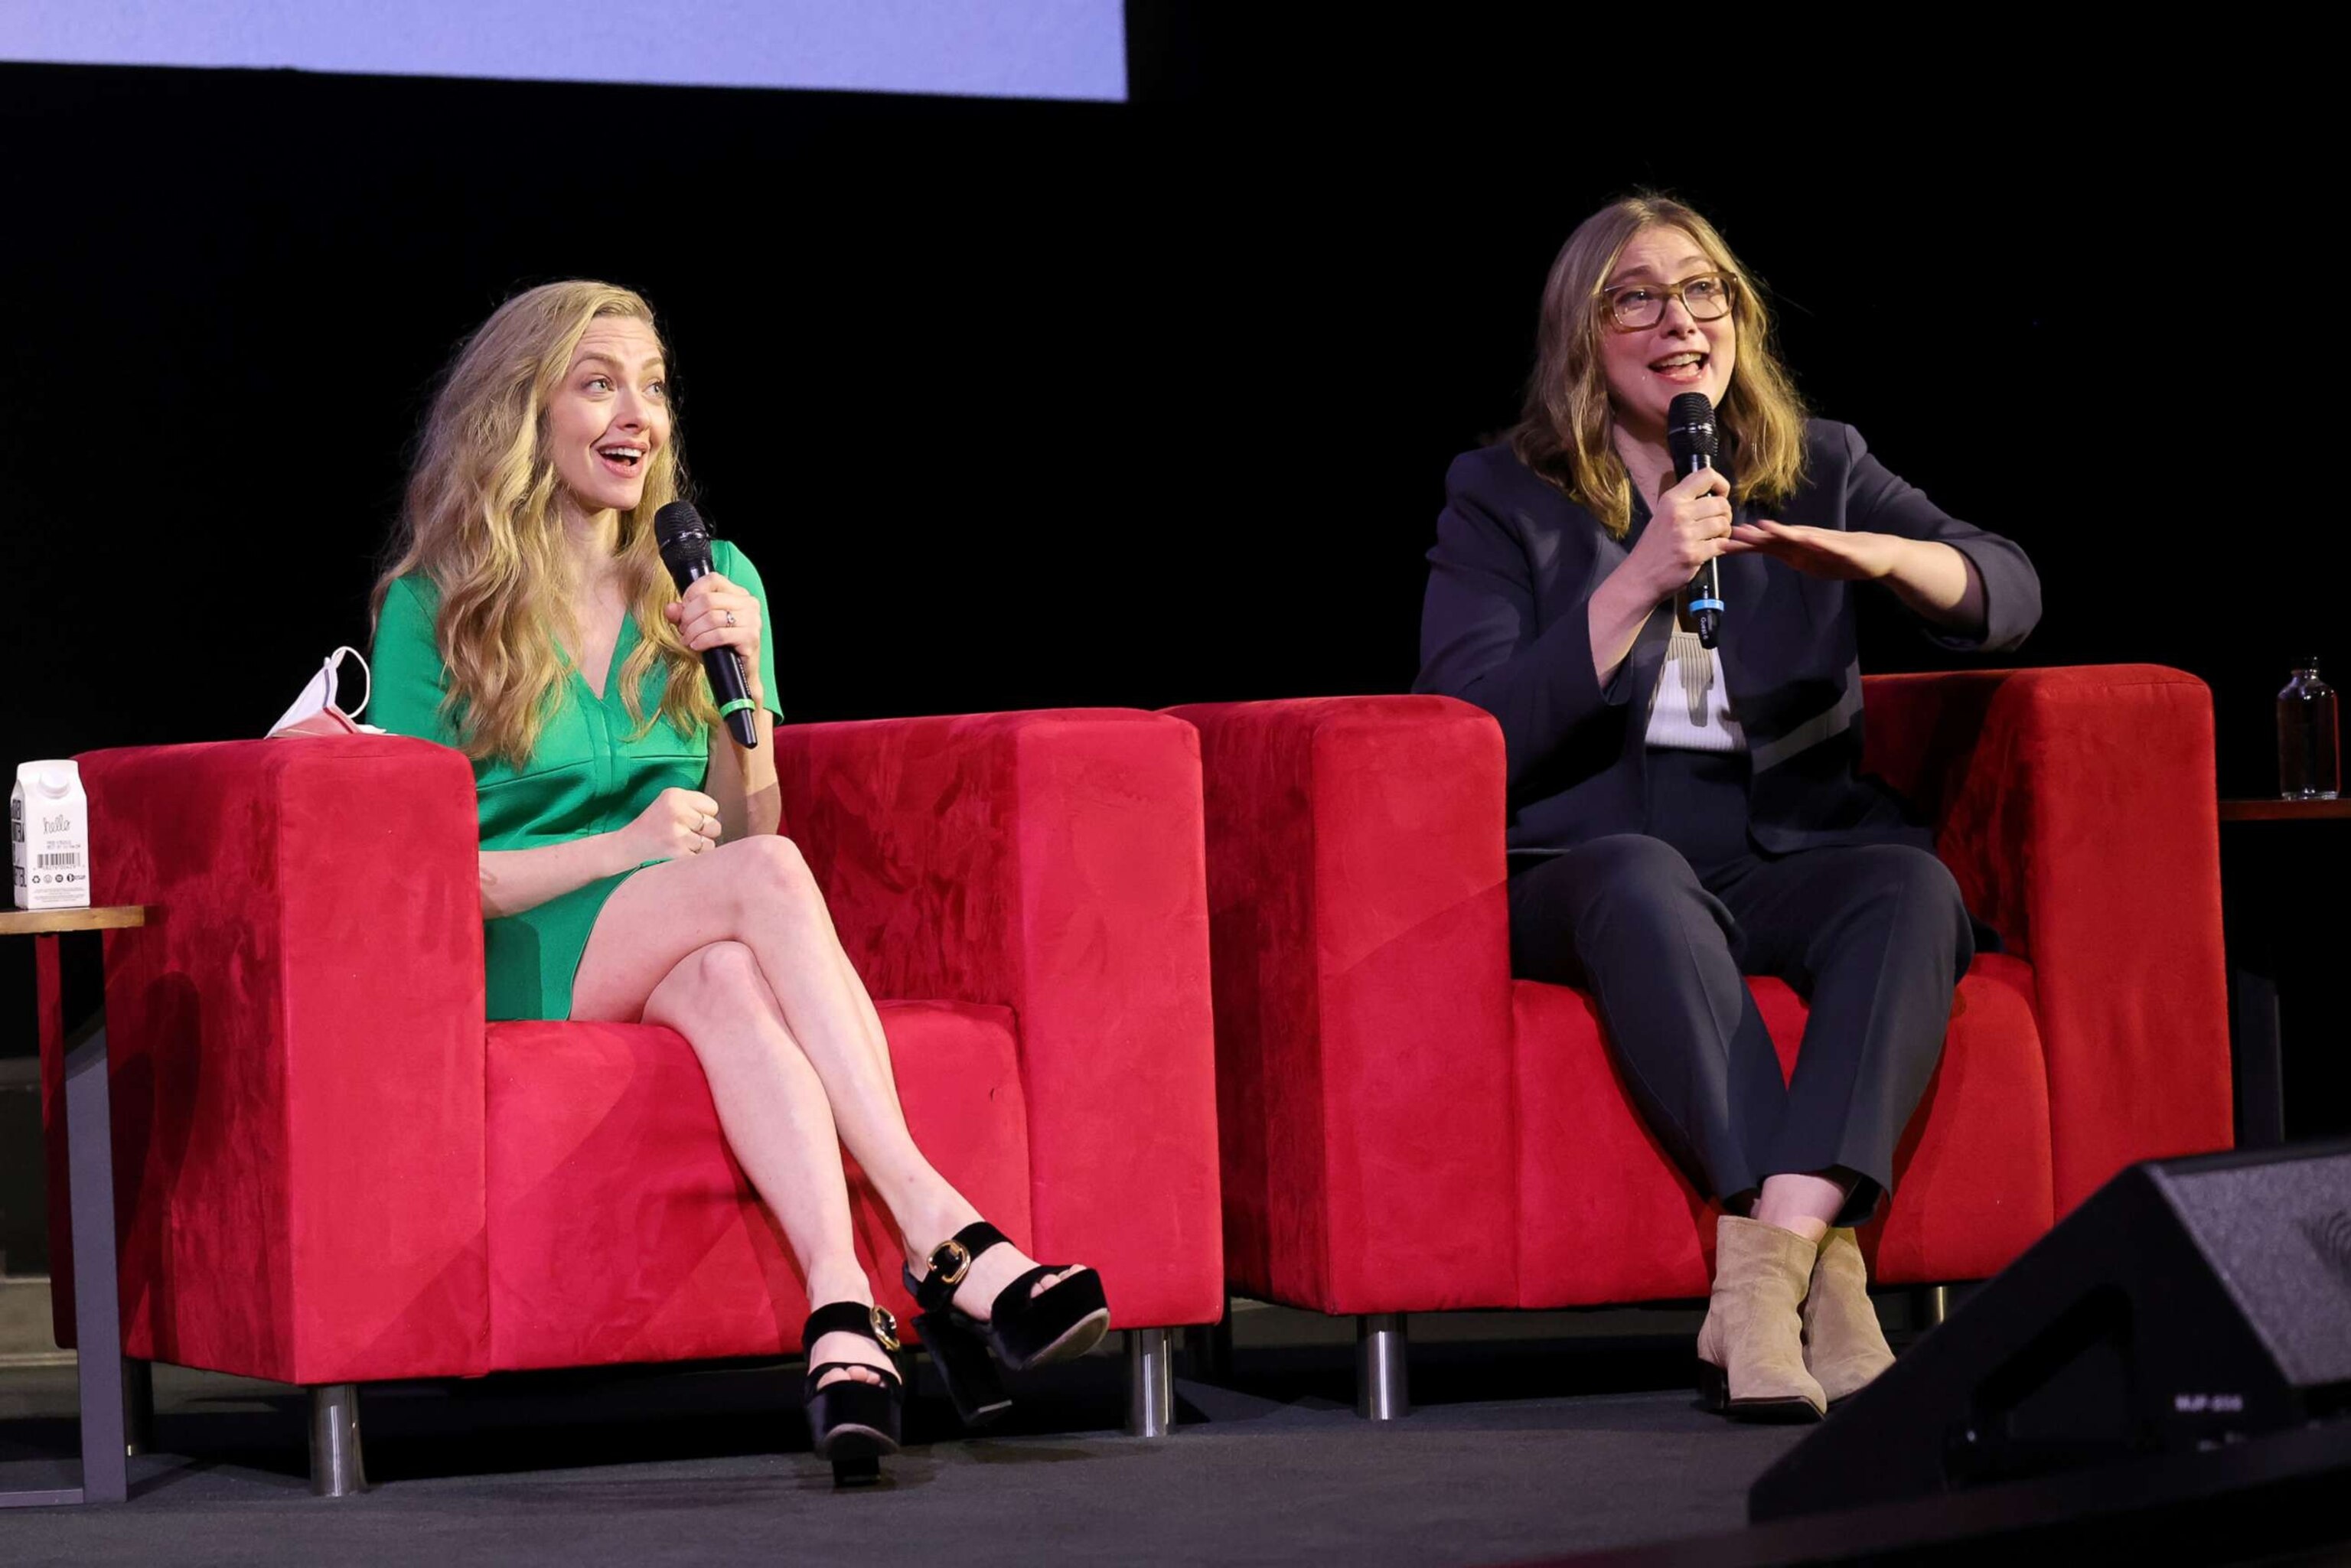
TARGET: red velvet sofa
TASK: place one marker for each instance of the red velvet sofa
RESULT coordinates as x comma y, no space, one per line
330,1171
1406,1128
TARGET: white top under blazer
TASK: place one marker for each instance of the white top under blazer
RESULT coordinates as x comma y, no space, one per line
1692,710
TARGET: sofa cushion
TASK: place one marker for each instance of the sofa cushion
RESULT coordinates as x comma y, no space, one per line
1605,1216
621,1229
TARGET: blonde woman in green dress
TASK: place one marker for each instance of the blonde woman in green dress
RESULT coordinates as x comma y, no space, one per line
630,868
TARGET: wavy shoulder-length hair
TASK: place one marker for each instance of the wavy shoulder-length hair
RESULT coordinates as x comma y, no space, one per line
1565,432
482,520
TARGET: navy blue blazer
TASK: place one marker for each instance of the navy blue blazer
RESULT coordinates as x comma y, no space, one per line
1506,625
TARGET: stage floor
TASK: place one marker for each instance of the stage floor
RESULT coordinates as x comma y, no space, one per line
1517,1447
1534,1437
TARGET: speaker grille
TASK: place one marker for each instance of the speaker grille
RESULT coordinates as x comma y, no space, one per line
2278,1233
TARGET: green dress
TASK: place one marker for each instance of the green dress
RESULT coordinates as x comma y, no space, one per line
591,774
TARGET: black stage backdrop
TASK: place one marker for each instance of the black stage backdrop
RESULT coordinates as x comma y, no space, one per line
1031,404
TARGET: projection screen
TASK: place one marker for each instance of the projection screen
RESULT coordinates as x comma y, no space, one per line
993,48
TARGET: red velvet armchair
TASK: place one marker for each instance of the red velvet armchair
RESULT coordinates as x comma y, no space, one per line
1406,1128
330,1171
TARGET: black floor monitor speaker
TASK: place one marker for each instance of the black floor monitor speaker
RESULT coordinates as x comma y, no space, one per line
2187,1305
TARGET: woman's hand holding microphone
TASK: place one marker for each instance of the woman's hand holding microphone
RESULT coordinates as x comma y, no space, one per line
713,613
1690,527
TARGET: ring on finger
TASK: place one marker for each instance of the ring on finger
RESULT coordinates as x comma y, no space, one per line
730,618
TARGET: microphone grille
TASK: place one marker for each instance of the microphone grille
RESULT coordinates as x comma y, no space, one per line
678,529
1689,422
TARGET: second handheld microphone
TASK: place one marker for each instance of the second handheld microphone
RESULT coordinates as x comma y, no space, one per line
1690,437
685,550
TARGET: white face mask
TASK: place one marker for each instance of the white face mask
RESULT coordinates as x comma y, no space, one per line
315,713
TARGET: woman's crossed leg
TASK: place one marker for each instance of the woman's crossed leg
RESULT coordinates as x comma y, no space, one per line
735,948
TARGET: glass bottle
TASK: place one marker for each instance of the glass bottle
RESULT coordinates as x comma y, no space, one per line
2310,759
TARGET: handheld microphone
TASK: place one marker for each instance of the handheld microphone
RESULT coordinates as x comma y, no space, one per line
685,550
1689,435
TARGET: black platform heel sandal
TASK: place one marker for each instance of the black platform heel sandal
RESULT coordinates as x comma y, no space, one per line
1022,1330
852,1422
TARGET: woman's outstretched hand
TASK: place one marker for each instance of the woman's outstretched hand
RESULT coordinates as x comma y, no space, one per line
1931,577
1824,552
680,823
716,613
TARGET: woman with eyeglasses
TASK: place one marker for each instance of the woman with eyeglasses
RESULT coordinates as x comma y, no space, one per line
1681,816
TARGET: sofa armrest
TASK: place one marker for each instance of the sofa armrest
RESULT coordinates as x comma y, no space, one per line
295,1047
1366,1091
2076,807
1049,862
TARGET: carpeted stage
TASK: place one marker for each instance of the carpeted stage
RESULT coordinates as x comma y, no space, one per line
1533,1436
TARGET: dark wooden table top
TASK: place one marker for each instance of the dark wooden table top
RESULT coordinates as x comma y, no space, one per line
2276,810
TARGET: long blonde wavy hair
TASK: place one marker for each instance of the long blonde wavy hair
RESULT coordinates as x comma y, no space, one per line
1565,430
481,520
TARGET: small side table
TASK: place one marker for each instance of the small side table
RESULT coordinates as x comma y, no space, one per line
2256,1037
90,1146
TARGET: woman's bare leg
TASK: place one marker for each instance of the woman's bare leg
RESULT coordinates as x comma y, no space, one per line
1807,1204
773,1110
760,893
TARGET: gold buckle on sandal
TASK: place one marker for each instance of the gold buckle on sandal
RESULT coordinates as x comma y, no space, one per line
961,1255
885,1328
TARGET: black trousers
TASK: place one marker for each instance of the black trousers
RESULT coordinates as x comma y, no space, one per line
1661,927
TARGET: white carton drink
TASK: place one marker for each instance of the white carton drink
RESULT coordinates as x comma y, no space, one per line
48,837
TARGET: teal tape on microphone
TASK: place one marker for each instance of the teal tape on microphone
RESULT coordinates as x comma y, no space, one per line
737,705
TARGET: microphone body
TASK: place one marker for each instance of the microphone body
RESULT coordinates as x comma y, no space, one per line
685,550
1690,437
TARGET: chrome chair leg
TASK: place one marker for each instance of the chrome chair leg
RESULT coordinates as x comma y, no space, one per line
1383,1389
1930,1305
1150,1382
336,1467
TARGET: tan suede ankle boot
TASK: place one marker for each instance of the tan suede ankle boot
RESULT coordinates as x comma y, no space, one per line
1843,1347
1751,1350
